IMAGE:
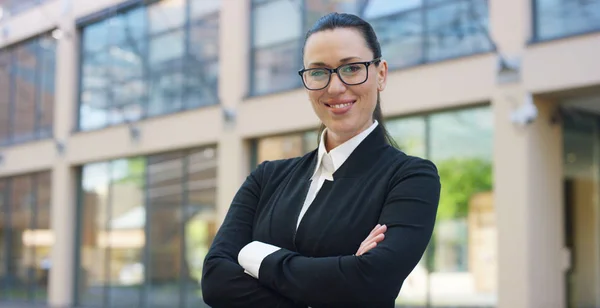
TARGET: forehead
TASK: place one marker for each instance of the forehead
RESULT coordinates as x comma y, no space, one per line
330,46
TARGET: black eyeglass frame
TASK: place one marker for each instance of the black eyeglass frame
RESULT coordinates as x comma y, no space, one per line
335,70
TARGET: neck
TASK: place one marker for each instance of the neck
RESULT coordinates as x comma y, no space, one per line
333,139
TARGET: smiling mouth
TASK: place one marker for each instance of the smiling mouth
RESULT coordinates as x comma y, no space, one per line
340,106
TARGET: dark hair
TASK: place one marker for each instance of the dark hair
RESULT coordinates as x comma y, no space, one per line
343,20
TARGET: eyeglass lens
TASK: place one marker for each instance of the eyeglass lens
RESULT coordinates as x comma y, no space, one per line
352,74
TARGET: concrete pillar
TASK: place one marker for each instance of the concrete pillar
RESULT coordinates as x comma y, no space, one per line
528,197
232,152
63,216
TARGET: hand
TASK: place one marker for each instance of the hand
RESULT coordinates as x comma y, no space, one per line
376,236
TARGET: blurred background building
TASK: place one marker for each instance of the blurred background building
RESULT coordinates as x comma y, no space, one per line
127,126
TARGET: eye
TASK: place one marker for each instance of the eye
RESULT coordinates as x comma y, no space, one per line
352,68
316,73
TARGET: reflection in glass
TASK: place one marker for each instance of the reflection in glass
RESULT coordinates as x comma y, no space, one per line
25,92
156,60
93,253
409,134
556,18
125,239
401,38
165,15
47,57
581,140
25,237
276,22
165,197
274,68
462,254
4,97
456,29
147,223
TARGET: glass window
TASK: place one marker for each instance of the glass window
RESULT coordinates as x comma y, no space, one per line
457,28
158,61
556,18
409,134
276,22
160,206
93,249
463,259
275,68
47,58
400,47
5,111
95,36
165,15
284,146
25,92
25,237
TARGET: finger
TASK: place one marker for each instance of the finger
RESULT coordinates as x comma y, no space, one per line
374,240
366,248
376,232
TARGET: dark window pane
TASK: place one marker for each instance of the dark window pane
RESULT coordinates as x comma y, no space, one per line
275,68
4,236
401,38
457,28
46,86
165,15
42,236
95,101
5,114
566,17
20,267
93,263
276,22
25,92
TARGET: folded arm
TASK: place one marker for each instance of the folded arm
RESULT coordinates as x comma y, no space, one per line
224,283
376,276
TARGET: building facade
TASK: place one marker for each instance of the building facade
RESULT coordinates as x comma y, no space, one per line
126,127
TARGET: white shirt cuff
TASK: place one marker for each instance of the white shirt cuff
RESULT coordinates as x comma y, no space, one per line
252,255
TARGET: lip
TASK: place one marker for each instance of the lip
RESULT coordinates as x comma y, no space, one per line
340,110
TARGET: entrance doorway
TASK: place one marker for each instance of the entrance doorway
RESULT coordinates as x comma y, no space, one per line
581,132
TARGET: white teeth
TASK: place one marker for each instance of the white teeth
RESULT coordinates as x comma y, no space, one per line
341,105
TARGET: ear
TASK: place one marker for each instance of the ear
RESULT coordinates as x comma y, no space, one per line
382,72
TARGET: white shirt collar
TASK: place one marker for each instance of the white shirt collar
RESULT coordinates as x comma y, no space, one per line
339,154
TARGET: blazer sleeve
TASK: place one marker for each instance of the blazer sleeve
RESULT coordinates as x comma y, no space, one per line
224,282
375,277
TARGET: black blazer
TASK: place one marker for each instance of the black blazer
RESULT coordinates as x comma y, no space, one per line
316,266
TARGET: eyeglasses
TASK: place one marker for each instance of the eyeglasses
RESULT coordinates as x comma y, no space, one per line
351,74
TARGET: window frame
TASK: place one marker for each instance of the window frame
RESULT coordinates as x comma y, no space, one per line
535,37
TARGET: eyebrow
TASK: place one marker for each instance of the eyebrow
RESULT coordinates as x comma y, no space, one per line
344,60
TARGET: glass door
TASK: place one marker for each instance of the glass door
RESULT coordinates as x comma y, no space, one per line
582,210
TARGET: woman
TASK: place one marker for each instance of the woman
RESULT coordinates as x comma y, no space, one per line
343,225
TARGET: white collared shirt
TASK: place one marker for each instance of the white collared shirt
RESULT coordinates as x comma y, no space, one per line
329,163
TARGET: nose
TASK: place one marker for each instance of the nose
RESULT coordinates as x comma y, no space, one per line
336,86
